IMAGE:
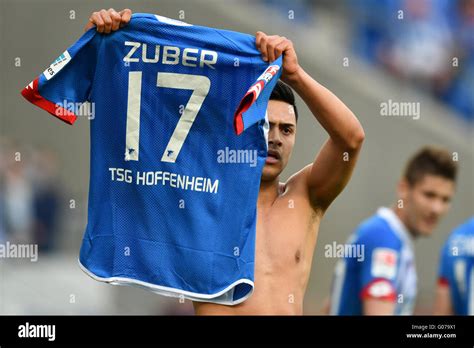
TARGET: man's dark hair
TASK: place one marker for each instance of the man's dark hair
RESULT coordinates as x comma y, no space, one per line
283,92
430,160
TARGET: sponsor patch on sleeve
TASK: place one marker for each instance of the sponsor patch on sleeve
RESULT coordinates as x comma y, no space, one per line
57,65
384,263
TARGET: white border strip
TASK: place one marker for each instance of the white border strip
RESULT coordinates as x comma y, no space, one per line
173,292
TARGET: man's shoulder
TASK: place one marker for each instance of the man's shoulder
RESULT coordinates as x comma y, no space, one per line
296,183
296,187
375,232
298,180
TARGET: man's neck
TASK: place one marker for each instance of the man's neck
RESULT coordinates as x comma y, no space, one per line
269,192
403,218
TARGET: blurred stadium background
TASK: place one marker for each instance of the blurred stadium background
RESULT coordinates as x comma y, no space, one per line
360,49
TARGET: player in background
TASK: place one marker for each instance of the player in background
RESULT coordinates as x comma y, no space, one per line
455,290
383,282
289,213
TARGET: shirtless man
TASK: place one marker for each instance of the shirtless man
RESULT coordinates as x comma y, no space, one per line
289,213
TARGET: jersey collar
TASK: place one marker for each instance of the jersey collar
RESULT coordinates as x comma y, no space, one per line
395,224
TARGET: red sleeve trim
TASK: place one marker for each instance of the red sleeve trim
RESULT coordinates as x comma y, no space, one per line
443,281
31,94
245,104
370,290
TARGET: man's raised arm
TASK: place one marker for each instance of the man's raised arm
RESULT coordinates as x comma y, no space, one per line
333,166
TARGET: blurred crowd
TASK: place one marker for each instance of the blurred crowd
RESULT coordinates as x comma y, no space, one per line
29,195
429,43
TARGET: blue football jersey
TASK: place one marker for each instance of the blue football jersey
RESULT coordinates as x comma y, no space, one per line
456,268
178,143
384,270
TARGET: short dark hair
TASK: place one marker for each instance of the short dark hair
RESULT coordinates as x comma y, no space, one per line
283,92
430,160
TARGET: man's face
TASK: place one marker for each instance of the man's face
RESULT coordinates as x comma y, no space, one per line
426,202
281,138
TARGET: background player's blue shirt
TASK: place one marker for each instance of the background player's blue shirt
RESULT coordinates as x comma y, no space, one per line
173,188
457,268
387,270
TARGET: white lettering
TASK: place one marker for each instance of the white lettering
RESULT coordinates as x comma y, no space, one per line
170,55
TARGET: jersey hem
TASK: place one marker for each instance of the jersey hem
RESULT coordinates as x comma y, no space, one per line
174,292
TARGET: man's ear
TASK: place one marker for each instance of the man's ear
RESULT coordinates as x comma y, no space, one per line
403,189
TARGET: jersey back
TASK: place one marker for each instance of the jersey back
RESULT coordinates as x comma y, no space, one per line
178,120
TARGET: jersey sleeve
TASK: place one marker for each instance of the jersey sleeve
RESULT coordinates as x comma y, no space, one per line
67,82
254,104
381,265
